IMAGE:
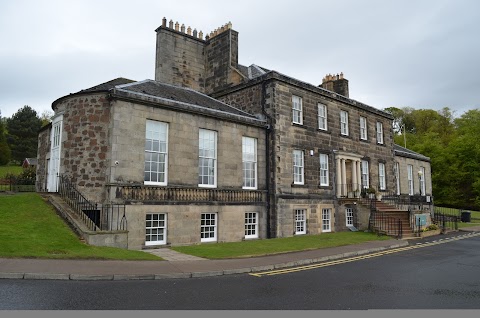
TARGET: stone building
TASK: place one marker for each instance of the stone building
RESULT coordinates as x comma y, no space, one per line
239,152
190,167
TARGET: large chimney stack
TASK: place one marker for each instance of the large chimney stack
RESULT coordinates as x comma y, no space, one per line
335,83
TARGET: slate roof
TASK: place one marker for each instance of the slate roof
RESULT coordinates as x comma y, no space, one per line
404,152
107,85
181,96
252,71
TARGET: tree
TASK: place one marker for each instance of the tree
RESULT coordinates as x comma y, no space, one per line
46,117
5,153
22,134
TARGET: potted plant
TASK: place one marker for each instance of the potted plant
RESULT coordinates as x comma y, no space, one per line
371,192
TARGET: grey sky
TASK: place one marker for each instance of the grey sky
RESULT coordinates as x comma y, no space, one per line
421,54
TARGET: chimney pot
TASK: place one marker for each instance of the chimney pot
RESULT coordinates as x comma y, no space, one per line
182,29
195,33
176,26
189,31
200,35
164,22
170,24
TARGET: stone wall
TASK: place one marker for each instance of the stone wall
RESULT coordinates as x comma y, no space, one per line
183,222
43,155
221,57
187,60
180,59
85,152
403,173
286,137
128,146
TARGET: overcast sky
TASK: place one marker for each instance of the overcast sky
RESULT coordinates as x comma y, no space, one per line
421,54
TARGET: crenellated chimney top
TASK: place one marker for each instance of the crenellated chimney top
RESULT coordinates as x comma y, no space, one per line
196,34
336,83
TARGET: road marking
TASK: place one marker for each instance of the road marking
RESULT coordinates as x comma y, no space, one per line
360,257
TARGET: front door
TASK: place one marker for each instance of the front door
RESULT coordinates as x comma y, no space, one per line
54,162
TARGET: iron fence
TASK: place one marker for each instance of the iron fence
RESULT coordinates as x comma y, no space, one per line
14,184
106,217
380,222
446,218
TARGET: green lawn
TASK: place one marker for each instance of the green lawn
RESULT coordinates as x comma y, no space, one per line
30,228
278,245
475,216
10,169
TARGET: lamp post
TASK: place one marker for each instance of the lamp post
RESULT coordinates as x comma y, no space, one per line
420,173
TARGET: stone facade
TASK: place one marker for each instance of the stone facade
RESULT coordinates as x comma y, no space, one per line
188,60
86,146
43,158
184,222
418,163
104,135
272,95
103,153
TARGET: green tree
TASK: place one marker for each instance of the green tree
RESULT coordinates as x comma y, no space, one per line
5,153
22,135
46,117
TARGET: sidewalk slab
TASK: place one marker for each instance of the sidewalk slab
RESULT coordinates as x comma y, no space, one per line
149,270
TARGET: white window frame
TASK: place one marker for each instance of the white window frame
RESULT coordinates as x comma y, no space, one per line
53,168
153,224
363,128
422,181
381,176
322,116
326,220
156,131
300,221
298,167
379,133
251,225
208,227
344,123
349,216
206,139
324,170
397,176
297,110
365,175
410,179
249,162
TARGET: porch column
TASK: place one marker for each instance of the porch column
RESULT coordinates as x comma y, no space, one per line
344,178
354,176
359,174
339,178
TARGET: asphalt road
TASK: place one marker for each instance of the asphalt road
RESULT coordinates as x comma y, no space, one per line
444,276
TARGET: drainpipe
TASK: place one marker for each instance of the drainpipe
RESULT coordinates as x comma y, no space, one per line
270,185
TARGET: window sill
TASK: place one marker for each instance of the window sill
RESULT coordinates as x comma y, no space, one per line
299,185
207,186
299,125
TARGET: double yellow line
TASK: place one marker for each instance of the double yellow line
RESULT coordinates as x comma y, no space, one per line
362,257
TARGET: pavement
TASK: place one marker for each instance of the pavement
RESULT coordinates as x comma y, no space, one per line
178,265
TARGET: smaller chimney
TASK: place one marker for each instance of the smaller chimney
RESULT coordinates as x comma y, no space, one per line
335,83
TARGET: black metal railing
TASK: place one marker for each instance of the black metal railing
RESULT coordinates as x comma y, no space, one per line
15,184
381,223
446,219
106,217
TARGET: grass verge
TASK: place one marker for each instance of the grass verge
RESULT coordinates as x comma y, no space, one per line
4,170
278,245
30,228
